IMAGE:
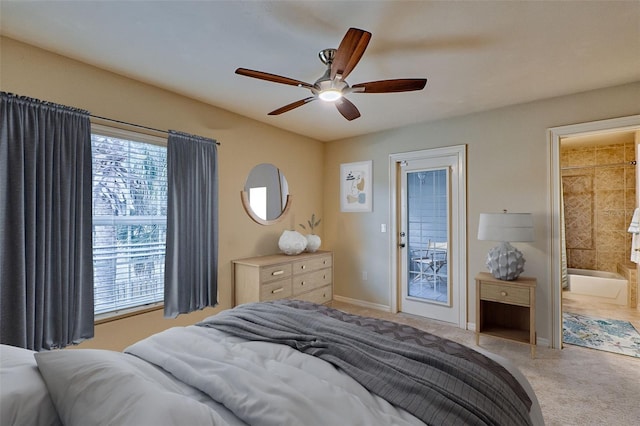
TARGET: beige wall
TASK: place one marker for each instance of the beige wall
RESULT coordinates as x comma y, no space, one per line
507,168
28,71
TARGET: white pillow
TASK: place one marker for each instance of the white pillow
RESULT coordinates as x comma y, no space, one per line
98,387
24,398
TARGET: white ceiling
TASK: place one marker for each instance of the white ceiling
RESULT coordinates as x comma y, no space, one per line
476,55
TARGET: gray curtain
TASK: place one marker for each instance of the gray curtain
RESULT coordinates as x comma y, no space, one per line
191,262
46,267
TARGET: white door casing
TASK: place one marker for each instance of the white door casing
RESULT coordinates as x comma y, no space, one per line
554,136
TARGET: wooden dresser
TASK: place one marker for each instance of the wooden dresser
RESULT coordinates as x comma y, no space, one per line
307,276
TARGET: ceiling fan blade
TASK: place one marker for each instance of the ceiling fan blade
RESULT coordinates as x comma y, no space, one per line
388,86
292,105
272,77
347,109
349,52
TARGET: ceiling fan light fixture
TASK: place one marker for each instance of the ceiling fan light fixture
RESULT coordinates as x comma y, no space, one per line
330,95
332,86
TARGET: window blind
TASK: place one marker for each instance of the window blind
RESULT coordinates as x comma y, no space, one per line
129,222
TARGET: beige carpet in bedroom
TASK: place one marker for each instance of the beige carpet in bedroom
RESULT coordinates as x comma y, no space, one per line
575,385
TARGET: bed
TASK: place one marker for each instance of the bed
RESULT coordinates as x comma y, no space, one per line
284,362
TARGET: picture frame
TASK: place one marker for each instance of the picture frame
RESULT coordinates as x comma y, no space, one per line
356,186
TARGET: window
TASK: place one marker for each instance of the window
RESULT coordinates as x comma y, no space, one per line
258,201
129,218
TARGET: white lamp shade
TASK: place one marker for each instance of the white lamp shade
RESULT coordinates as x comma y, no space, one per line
512,227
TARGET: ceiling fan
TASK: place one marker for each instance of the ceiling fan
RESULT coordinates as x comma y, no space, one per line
332,86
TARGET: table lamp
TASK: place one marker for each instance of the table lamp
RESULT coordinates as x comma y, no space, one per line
505,261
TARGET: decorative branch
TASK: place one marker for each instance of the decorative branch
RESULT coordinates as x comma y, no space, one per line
312,223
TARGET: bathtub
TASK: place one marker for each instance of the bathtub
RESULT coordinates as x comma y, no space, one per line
608,287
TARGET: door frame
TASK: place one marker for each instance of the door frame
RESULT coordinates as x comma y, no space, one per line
554,136
458,220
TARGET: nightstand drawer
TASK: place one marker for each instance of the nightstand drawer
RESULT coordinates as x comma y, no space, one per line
505,294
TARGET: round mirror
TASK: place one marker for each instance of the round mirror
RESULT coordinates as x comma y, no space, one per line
266,197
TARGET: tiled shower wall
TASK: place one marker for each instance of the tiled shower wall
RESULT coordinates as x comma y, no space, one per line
599,200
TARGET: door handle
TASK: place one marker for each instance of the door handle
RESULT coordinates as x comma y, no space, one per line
401,244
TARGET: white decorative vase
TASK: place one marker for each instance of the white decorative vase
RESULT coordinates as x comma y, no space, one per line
313,242
292,242
505,262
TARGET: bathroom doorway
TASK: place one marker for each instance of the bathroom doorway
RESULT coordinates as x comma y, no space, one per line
598,177
586,158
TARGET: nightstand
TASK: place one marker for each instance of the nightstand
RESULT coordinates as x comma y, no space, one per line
506,309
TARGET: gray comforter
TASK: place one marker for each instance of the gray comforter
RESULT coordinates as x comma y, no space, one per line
437,387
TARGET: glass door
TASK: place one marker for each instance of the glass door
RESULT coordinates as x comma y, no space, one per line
428,191
427,217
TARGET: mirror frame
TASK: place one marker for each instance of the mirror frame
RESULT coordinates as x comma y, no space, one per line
244,196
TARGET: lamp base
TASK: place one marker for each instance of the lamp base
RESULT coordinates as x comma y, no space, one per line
505,262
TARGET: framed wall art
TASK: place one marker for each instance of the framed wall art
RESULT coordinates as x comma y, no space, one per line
356,185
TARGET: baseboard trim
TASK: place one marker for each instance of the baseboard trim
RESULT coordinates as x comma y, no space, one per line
540,341
361,303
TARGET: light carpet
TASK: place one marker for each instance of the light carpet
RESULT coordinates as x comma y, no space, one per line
576,386
603,334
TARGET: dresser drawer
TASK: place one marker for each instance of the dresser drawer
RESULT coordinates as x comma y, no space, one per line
306,282
275,290
312,264
320,295
277,272
505,294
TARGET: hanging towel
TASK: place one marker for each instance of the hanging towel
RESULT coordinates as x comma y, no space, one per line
634,228
635,248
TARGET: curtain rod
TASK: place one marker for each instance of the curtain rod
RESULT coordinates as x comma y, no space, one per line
134,125
595,166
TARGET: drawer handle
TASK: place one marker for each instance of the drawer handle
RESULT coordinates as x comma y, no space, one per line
503,293
280,272
302,283
277,290
303,267
324,262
